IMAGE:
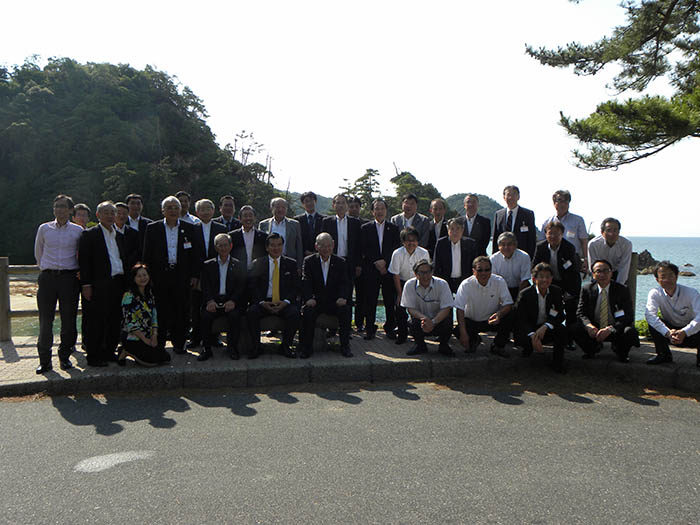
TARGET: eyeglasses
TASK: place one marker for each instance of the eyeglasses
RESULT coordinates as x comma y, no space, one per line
424,272
604,270
483,270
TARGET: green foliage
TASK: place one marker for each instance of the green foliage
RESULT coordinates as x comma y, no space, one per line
642,328
366,188
660,39
487,206
101,131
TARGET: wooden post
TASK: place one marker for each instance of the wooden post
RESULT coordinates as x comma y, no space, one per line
632,279
5,326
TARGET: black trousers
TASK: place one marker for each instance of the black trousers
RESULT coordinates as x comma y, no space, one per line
373,282
454,283
103,324
233,327
172,293
402,317
359,301
661,343
556,337
309,314
196,333
290,315
62,287
443,330
621,340
570,306
502,329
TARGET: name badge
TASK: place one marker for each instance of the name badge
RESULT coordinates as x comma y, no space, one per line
553,312
187,245
619,313
566,265
570,234
524,228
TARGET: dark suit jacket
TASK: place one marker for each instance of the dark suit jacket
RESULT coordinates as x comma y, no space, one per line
133,247
259,279
524,220
570,276
527,309
481,233
308,237
432,239
214,230
370,244
155,251
354,258
443,257
239,244
143,224
235,281
337,286
93,257
234,224
618,300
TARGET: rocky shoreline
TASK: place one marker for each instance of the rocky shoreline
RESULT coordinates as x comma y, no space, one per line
646,264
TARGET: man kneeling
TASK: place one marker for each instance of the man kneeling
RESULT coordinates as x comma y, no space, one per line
539,316
429,301
223,290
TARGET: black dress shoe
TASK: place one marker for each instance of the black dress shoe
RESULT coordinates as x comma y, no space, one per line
111,358
288,352
345,352
499,351
446,350
206,354
179,350
473,344
418,349
661,358
305,354
369,335
233,354
391,334
401,340
623,358
571,346
42,369
65,364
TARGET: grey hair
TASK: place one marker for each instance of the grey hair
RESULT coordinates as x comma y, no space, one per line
202,202
171,199
323,236
506,237
276,200
223,236
105,204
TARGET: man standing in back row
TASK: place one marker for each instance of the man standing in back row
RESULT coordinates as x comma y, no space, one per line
516,219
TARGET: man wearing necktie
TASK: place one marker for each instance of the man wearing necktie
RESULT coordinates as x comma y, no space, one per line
516,219
311,222
227,207
605,313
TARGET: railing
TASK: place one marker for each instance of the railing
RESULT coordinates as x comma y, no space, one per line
6,312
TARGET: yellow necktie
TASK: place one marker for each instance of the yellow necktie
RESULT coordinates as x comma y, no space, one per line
604,313
275,282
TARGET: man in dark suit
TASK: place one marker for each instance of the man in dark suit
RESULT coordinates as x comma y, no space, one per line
411,217
454,255
248,241
325,290
354,208
273,287
476,226
560,254
311,222
345,231
135,203
227,208
173,254
223,290
438,226
605,313
379,238
102,265
132,249
539,316
516,219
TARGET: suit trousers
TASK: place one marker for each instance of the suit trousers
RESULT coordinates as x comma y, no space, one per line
622,341
502,329
373,283
556,336
233,327
290,315
103,324
359,301
443,330
309,314
661,343
454,283
402,318
173,304
62,286
196,332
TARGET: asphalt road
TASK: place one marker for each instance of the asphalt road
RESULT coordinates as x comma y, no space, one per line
394,453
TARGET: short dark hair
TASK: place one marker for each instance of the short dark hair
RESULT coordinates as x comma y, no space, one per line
338,195
471,195
378,200
271,237
564,194
409,196
121,205
406,232
226,197
457,221
542,267
665,265
511,187
246,207
183,193
81,206
356,199
554,224
132,196
607,220
440,200
68,200
308,194
480,259
422,262
604,261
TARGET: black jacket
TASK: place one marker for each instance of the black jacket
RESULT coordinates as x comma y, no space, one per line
259,279
527,309
619,302
568,264
481,233
155,251
214,230
337,285
308,237
354,256
524,229
239,252
235,281
370,244
93,257
443,257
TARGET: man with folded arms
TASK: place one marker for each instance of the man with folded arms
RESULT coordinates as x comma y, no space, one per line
223,291
679,322
539,316
429,302
484,304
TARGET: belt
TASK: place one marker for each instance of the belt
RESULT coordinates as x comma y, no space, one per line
58,272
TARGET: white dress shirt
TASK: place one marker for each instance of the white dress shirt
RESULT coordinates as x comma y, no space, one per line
456,248
206,231
325,265
574,229
223,271
342,225
380,233
115,260
618,255
469,224
480,302
681,310
134,223
514,270
56,246
188,217
402,262
171,239
249,241
279,227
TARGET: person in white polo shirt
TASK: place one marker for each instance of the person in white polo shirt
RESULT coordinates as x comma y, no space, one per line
484,304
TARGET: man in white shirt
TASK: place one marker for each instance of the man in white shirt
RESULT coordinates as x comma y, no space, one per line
574,228
511,264
429,301
609,245
679,322
289,230
484,304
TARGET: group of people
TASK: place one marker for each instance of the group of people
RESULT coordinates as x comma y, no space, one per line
144,282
